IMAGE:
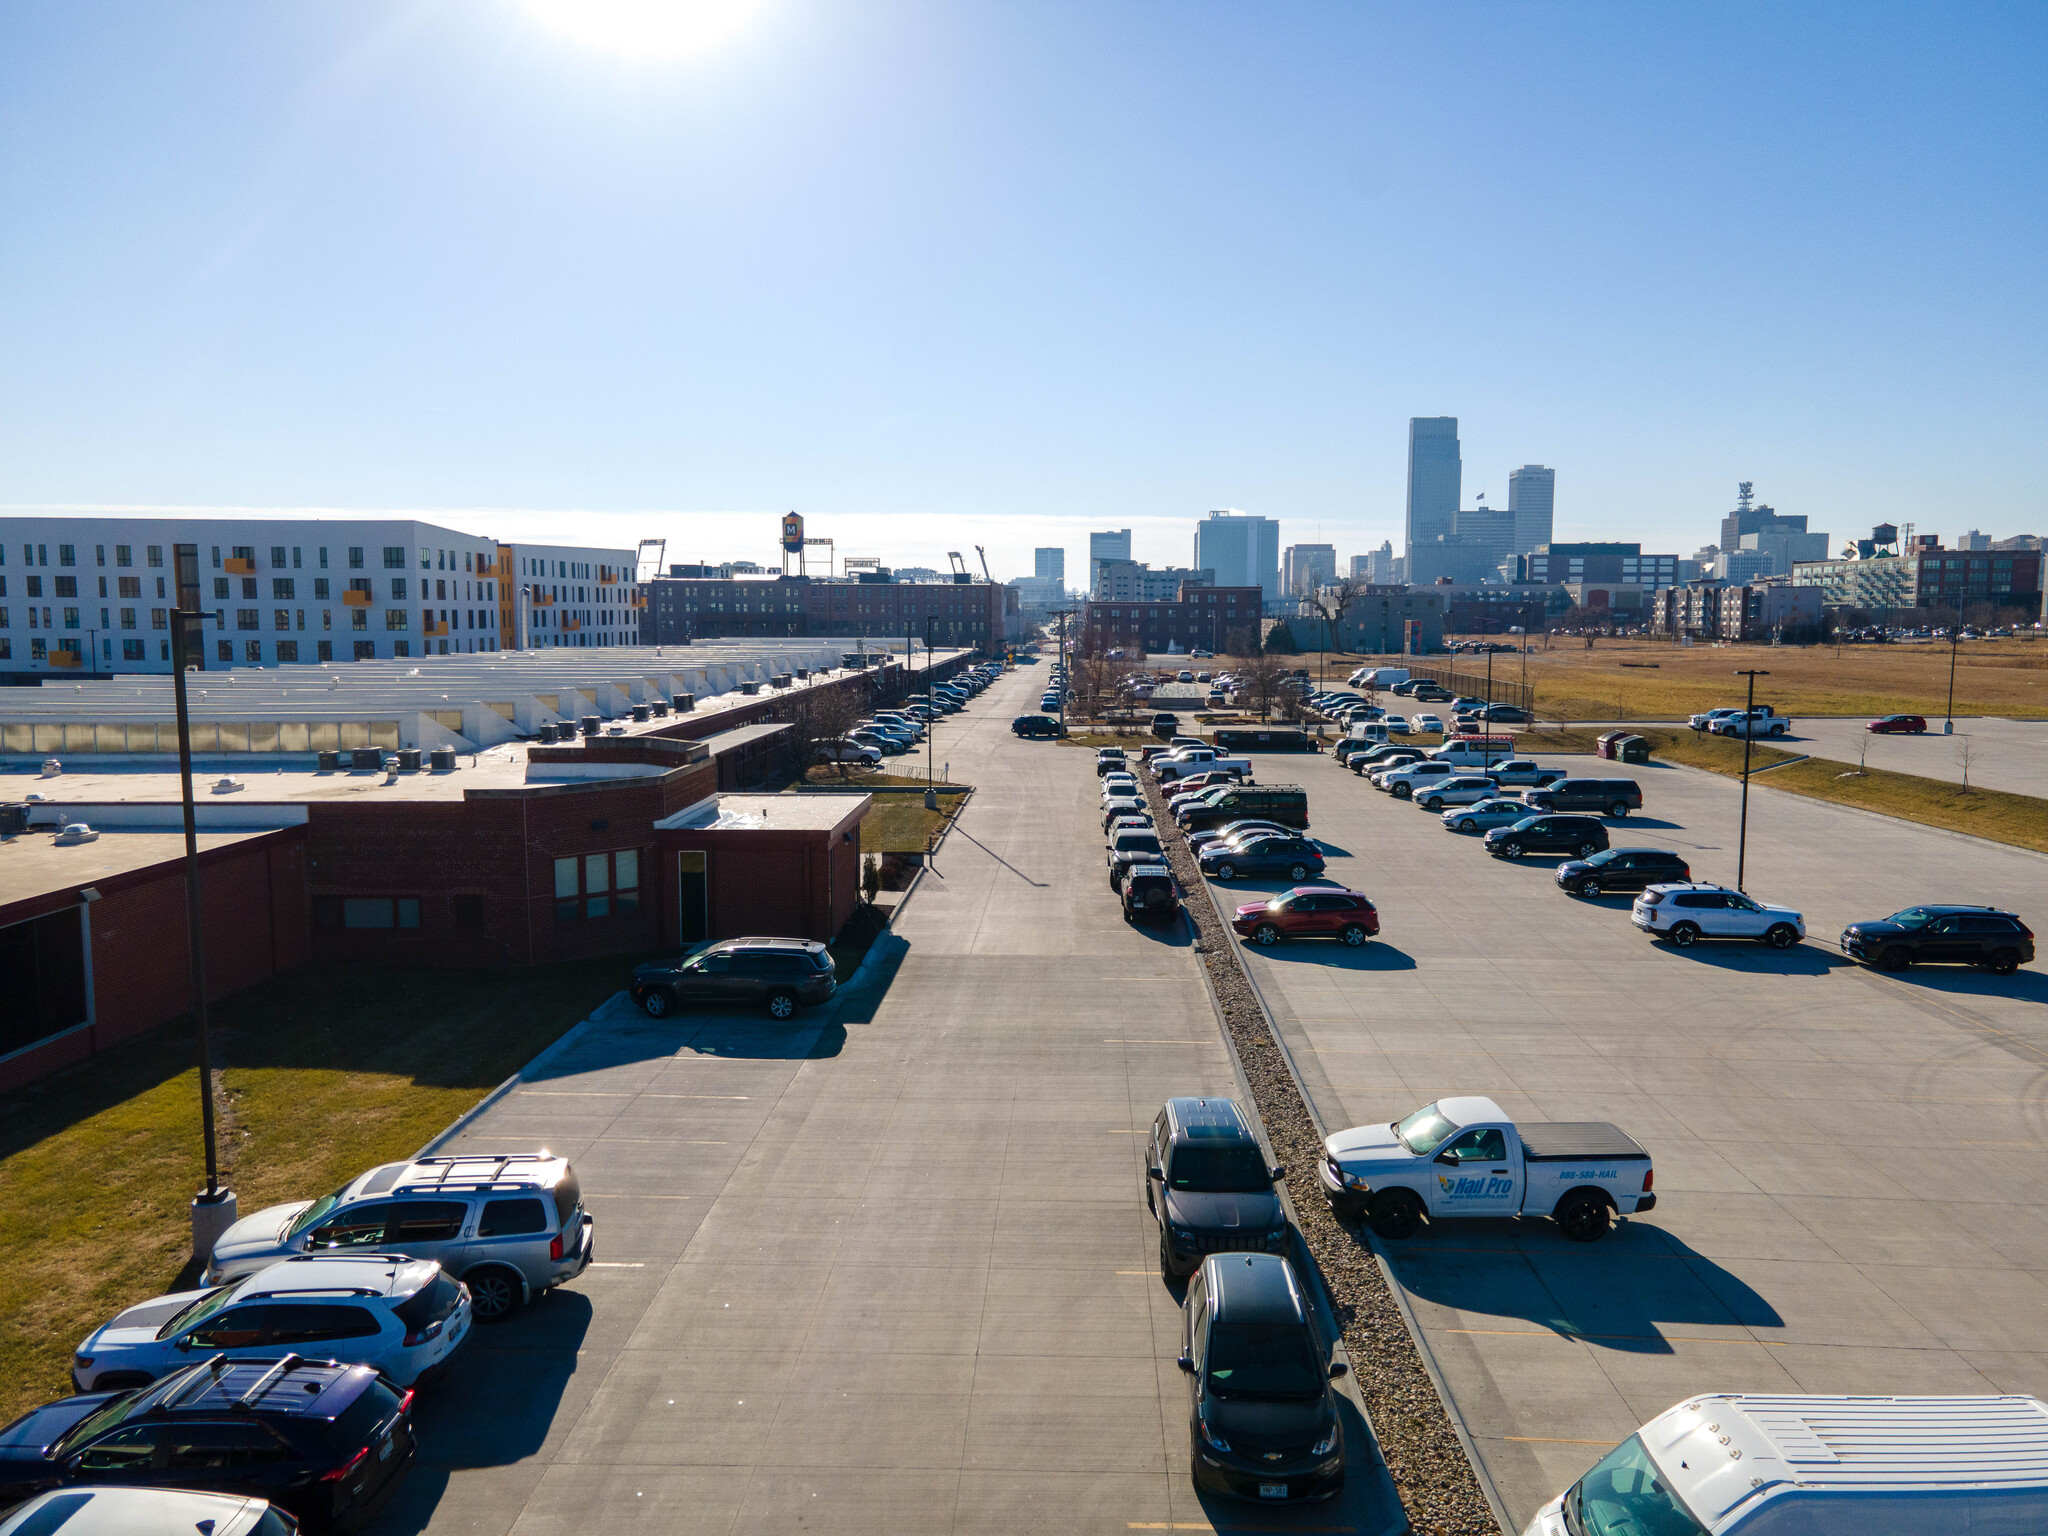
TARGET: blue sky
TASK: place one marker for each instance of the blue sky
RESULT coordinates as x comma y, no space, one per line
948,273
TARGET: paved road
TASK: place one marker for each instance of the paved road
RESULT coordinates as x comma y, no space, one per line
1853,1191
2004,754
884,1272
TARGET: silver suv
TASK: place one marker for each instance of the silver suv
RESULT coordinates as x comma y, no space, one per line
509,1226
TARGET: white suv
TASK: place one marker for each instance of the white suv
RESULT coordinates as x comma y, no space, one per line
1458,789
1413,777
406,1317
1685,914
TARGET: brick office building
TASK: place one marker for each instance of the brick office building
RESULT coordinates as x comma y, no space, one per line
965,614
1199,618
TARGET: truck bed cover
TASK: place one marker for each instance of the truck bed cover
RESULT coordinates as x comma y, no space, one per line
1558,1140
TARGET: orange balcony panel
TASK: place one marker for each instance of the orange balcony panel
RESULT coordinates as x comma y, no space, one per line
66,659
355,599
241,567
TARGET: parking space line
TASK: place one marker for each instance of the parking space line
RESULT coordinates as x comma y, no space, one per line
1158,1042
1549,1440
1638,1338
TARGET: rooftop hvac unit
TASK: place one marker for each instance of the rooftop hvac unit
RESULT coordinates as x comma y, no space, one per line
408,759
442,759
330,762
546,735
366,759
685,702
642,712
660,708
592,725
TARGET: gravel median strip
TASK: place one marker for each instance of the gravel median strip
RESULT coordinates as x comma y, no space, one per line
1435,1479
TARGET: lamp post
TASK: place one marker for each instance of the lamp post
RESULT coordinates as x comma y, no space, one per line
1748,736
1948,726
213,1210
931,793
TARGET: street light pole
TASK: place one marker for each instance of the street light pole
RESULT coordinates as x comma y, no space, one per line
931,793
1948,726
1748,736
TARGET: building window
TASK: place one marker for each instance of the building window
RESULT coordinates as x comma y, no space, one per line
130,586
277,557
252,652
67,586
156,556
320,594
39,650
71,618
355,557
283,588
127,618
327,650
283,618
248,618
131,650
359,618
226,652
159,618
394,557
597,885
366,650
398,589
287,650
124,556
249,586
67,554
221,590
380,912
395,618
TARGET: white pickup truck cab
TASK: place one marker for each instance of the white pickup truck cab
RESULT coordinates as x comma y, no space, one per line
1756,722
1463,1157
1173,765
1746,1464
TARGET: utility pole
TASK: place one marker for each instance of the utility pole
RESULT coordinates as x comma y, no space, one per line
213,1210
1948,726
1748,736
931,793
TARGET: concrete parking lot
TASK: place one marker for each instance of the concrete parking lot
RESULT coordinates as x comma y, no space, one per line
2004,754
1850,1166
885,1269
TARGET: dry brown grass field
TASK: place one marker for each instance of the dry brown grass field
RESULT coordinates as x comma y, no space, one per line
1655,680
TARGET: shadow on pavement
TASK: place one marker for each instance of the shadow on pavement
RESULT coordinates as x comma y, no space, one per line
621,1034
1372,955
1965,981
1622,1293
1751,958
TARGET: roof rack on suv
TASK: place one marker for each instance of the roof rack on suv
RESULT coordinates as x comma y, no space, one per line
208,1372
246,1403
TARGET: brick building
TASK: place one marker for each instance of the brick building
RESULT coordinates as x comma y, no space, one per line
1199,618
965,614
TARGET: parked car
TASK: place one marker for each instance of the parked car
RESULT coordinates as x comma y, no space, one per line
1620,870
1375,759
1263,1421
1325,912
1459,789
1121,805
1150,894
1110,760
1485,815
884,743
1428,723
1132,841
120,1511
841,749
1687,913
508,1225
1295,857
774,974
1228,830
404,1317
1041,727
1579,836
1119,782
1397,725
330,1442
1284,803
1208,1186
1523,771
1610,797
1406,780
1892,725
1581,1174
1509,714
1942,935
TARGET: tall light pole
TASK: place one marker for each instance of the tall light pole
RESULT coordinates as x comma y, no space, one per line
1948,726
931,793
1748,736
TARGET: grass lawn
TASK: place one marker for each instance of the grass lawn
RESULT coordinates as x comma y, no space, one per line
323,1073
901,824
1655,680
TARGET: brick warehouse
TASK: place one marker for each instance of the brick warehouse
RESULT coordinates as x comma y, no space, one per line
621,846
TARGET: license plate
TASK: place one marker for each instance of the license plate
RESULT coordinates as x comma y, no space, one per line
1272,1490
384,1450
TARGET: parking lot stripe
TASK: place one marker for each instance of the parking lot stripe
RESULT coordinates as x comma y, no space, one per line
1158,1042
1639,1338
568,1093
1551,1440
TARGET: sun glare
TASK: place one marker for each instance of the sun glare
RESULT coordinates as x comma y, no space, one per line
646,29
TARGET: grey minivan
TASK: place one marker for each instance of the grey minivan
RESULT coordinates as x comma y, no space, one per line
773,974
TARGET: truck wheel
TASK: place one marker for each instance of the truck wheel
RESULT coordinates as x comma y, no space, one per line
1782,936
1395,1214
1583,1216
1403,791
1266,935
1166,1267
1618,810
1683,934
1354,935
1897,958
2003,962
781,1005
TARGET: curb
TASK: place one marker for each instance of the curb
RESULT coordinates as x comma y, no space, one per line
463,1120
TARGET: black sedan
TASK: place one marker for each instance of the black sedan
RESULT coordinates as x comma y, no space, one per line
1295,857
1579,836
1943,935
1231,831
1620,870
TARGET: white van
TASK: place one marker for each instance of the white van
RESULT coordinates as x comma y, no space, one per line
1474,751
1366,730
1378,677
1819,1466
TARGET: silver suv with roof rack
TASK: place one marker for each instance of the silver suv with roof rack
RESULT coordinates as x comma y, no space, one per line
509,1225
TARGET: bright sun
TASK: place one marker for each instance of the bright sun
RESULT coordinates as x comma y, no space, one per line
646,29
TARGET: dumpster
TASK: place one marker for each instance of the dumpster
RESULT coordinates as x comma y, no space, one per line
1632,749
1608,742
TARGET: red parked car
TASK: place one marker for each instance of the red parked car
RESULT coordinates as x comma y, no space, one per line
1309,912
1910,725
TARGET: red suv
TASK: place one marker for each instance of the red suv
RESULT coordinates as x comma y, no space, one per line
1309,912
1910,725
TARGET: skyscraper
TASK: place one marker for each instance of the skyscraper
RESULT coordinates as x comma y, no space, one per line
1307,566
1114,545
1435,478
1242,549
1532,498
1049,564
1751,516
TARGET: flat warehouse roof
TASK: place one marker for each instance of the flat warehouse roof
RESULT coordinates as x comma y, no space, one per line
33,863
769,813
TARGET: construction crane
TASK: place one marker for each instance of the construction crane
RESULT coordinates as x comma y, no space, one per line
960,571
642,571
984,565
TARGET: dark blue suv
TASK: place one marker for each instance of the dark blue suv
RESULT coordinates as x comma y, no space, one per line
329,1442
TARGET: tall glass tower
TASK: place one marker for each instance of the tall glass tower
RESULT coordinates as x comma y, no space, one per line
1435,479
1532,498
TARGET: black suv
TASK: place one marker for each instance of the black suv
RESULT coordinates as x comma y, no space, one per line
1981,936
1150,895
1208,1186
1623,869
1262,1418
775,974
1612,797
1579,836
331,1443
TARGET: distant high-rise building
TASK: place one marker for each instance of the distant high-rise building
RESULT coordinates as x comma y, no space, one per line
1491,529
1971,540
1049,564
1380,565
1133,581
1361,567
1532,498
1435,478
1744,565
1243,550
1114,545
1304,567
1752,516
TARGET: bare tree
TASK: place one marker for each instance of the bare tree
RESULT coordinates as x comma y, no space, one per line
1966,752
1329,603
1258,682
817,715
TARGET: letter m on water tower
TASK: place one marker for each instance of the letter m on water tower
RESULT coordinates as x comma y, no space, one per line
793,532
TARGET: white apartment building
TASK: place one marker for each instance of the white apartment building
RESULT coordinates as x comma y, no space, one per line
86,596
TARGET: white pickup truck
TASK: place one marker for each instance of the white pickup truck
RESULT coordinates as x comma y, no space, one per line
1713,717
1756,722
1463,1157
1179,764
